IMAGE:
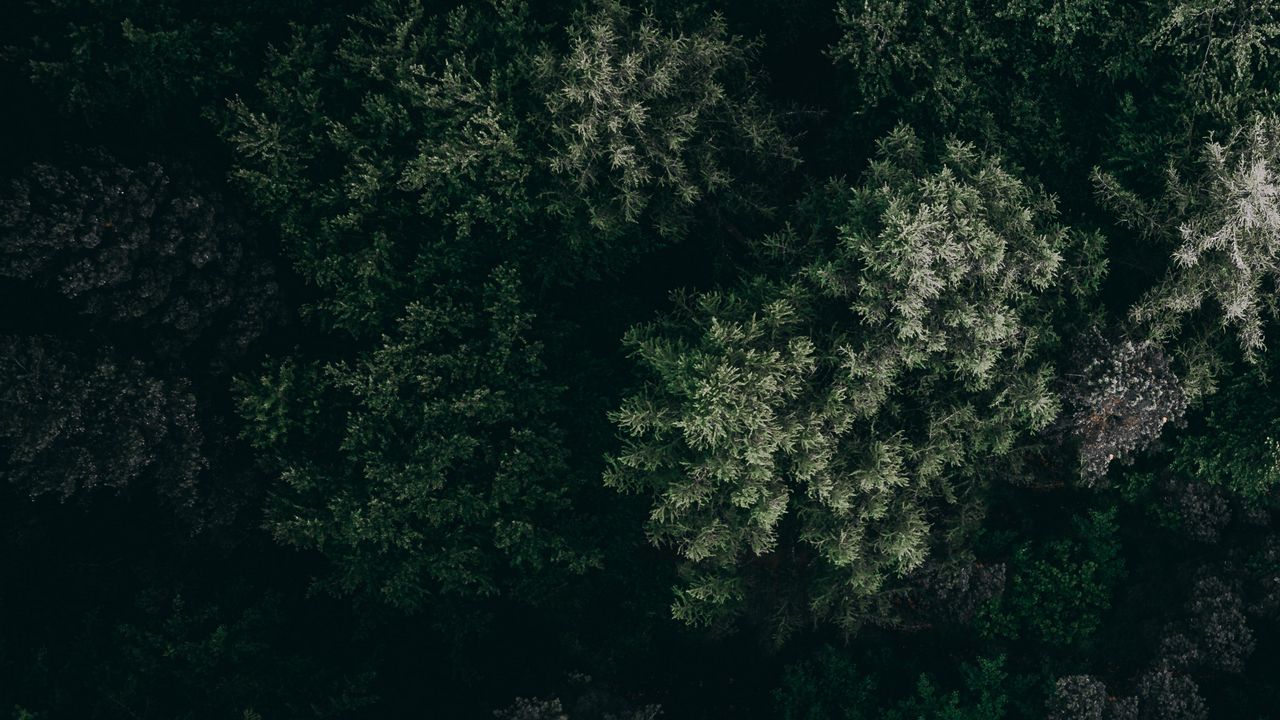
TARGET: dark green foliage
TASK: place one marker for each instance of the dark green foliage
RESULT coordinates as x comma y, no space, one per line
152,645
138,248
1223,51
174,645
408,200
432,171
1238,449
442,471
400,358
830,687
162,62
585,699
1019,75
826,687
78,420
1058,591
983,698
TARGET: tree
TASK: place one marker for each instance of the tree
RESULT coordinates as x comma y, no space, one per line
532,709
1163,695
1029,78
951,593
443,470
159,63
1191,68
1083,697
1198,509
830,686
648,125
585,698
1119,400
823,423
1223,50
433,174
984,696
1238,448
1059,590
139,248
1224,222
198,656
77,420
826,685
465,140
1215,635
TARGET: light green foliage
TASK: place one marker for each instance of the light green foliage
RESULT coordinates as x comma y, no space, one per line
1059,589
943,260
825,423
1223,225
647,123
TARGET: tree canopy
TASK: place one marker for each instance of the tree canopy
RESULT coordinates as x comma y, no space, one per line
627,359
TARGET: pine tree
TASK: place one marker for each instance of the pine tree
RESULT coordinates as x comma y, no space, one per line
834,424
79,419
139,248
648,125
431,173
1222,226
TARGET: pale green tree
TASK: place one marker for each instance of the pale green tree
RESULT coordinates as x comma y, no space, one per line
1222,227
835,424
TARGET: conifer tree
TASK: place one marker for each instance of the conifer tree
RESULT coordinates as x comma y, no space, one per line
430,172
139,248
79,420
648,125
1119,401
834,424
1221,226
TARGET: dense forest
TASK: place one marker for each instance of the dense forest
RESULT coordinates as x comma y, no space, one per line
636,359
